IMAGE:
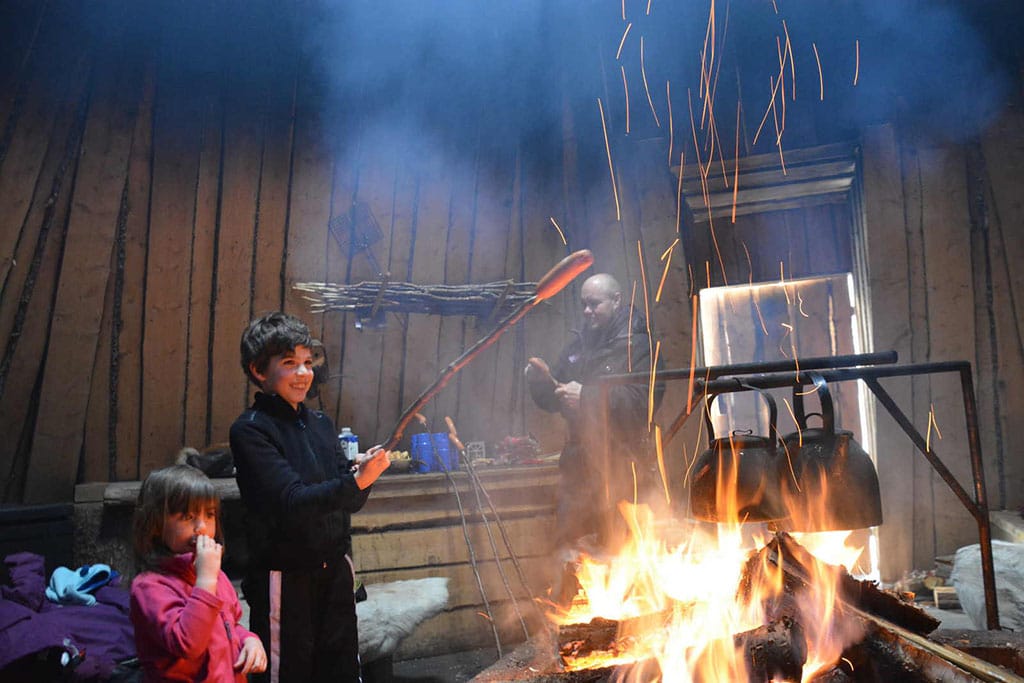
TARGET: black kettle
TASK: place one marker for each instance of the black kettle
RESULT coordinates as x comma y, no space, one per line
832,483
737,478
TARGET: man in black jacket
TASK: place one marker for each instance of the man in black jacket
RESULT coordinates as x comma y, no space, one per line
608,440
297,500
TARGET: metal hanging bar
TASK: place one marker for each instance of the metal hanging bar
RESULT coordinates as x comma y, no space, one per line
715,371
868,368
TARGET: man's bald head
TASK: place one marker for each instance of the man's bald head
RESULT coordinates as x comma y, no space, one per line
601,296
603,282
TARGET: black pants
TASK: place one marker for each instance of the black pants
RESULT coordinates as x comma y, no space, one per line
317,638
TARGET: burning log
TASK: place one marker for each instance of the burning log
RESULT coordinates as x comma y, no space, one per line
606,639
1003,648
835,674
923,659
799,565
597,635
894,646
869,597
775,651
874,659
533,662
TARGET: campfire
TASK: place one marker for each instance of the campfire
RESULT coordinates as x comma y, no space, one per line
711,608
686,600
718,602
751,579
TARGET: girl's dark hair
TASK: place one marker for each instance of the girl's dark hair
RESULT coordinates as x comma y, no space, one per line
177,489
271,335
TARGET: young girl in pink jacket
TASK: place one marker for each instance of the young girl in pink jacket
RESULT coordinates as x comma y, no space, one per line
183,607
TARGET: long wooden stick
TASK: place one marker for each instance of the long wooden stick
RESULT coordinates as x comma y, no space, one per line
478,488
935,659
453,437
472,560
554,281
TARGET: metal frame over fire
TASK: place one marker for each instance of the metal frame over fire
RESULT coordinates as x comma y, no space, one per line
868,368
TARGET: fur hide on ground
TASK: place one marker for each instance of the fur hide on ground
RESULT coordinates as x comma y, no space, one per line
393,610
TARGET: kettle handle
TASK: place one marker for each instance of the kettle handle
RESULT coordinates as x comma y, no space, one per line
773,413
828,422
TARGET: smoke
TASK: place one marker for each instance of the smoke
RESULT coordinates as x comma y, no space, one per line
459,74
471,77
939,66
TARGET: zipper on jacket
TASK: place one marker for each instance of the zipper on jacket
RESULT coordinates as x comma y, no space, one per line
309,450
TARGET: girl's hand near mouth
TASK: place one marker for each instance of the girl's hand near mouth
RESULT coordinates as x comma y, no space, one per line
207,561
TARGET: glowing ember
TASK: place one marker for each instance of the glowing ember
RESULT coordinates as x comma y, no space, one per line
671,130
560,233
625,89
611,168
821,79
623,41
643,74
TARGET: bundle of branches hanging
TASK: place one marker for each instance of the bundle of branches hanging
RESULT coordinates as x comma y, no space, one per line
367,299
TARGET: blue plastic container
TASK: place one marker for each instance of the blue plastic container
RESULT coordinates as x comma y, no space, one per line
445,457
421,452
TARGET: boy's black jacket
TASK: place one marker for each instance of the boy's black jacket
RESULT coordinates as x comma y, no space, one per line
296,496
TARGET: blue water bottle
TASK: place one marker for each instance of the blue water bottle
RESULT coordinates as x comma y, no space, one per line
348,444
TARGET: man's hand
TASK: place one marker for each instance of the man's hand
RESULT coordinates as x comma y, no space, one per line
207,561
537,370
252,658
369,466
568,395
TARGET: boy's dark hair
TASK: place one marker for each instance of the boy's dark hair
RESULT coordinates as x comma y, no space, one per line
177,489
268,336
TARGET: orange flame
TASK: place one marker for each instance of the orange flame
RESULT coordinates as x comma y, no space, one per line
682,590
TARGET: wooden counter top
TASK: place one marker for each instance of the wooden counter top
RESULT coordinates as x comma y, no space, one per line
387,487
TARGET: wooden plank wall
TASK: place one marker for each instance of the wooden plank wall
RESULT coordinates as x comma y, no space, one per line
147,212
151,204
941,235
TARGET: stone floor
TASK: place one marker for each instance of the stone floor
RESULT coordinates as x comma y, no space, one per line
950,619
450,668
